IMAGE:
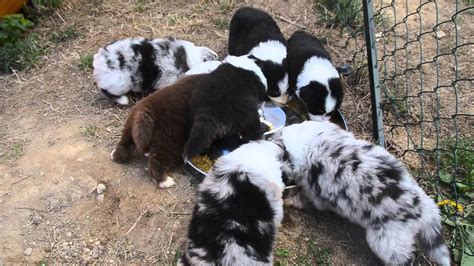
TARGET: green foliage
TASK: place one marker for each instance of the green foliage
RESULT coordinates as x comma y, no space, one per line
222,23
40,8
21,54
12,28
282,252
85,61
226,6
314,255
90,131
341,12
62,36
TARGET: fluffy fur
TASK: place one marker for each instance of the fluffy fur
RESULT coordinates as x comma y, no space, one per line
225,103
313,78
238,208
158,127
253,31
204,68
142,65
367,185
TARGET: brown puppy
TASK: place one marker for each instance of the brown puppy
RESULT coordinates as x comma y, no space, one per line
158,126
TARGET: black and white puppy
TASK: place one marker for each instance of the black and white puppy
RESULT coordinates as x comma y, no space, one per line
313,78
142,65
253,31
238,208
367,185
225,103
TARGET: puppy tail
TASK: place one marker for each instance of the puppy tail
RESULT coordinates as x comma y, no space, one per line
431,236
142,130
200,138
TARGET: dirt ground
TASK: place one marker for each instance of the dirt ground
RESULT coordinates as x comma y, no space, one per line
57,133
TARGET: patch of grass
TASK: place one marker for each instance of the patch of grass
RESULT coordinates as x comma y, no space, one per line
282,252
226,6
90,131
341,12
67,34
143,5
85,61
12,151
221,23
314,255
37,9
175,19
20,54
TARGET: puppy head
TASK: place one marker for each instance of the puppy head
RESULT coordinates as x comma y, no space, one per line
277,79
320,100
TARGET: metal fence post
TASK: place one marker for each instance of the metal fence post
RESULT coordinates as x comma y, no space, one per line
377,114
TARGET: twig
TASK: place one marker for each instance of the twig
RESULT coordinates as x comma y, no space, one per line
181,213
31,209
291,22
19,180
136,222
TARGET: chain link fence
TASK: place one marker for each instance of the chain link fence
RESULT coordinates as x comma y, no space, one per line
417,57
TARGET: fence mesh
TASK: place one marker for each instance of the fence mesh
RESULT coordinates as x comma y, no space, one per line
425,69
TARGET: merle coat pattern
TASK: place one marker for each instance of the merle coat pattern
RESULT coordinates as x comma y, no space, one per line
313,78
158,127
140,65
239,205
367,185
226,104
253,31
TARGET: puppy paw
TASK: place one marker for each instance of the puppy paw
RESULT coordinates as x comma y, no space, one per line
169,182
112,154
122,100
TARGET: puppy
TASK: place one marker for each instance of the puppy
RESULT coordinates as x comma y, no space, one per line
158,126
238,208
313,78
253,31
367,185
225,103
142,65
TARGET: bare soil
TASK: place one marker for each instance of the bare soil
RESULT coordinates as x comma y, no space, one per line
57,132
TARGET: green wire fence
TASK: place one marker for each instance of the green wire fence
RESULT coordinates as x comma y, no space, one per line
418,54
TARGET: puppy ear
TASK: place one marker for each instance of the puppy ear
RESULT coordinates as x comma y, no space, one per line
256,60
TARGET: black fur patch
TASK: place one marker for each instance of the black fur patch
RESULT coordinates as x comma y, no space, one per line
274,73
147,68
390,190
121,59
209,228
315,172
388,172
109,63
180,59
314,96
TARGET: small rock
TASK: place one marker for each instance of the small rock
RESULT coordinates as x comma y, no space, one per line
72,178
79,159
36,219
28,251
69,234
41,174
100,198
95,253
101,188
47,249
440,34
306,239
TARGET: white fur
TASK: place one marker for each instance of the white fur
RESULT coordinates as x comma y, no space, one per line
169,182
204,68
248,64
283,87
270,50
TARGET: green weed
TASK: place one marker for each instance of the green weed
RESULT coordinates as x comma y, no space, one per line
21,54
143,5
342,12
226,6
90,131
222,23
65,35
85,61
175,19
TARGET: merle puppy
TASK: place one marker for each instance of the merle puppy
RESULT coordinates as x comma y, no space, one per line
142,65
158,127
238,208
225,104
253,31
367,185
313,78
